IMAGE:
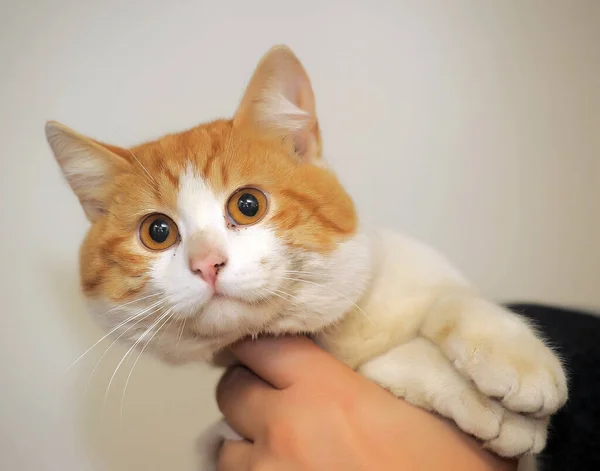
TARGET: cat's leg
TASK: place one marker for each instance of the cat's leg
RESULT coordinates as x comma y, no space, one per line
499,351
418,372
421,374
209,444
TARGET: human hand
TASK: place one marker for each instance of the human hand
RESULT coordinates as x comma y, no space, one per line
301,409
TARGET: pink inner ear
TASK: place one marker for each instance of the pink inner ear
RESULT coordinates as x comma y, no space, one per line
279,98
93,208
302,94
304,144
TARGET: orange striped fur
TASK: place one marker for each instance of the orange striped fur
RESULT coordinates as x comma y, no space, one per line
311,210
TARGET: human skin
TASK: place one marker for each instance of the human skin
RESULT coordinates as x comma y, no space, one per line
301,409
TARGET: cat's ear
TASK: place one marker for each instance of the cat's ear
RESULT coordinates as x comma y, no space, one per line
280,99
88,166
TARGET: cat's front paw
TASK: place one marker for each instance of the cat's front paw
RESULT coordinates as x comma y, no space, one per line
500,353
418,372
421,374
519,370
519,435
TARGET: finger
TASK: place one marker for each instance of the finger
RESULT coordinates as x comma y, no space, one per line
235,456
243,399
282,361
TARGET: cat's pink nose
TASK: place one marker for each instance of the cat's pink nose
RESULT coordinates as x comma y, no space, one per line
208,267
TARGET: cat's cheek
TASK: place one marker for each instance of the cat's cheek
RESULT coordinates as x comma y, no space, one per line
258,263
256,283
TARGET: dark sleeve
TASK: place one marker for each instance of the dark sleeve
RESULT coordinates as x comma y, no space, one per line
574,439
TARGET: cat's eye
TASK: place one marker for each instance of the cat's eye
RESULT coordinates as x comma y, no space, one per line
247,206
158,232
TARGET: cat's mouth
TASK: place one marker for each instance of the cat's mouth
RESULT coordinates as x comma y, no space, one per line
219,297
220,294
225,315
248,297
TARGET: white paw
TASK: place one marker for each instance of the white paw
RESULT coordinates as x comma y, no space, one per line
209,444
474,414
418,372
519,435
515,367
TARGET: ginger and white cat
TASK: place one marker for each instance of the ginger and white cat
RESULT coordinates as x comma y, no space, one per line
237,227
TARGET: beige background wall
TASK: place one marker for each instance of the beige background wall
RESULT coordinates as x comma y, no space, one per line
473,125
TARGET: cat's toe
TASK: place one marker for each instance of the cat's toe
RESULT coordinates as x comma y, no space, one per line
519,435
527,379
477,415
536,393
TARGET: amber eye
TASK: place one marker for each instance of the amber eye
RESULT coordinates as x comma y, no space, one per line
158,232
247,206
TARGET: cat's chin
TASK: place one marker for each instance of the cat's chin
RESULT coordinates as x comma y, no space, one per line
231,317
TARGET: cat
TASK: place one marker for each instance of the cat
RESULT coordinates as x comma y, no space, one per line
238,227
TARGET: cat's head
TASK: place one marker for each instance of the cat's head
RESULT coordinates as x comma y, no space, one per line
233,228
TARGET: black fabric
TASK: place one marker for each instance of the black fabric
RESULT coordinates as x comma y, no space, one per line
574,440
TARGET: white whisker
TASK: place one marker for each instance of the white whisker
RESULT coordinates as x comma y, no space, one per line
280,294
120,306
109,333
180,333
148,330
166,327
168,320
311,274
152,179
141,316
333,291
